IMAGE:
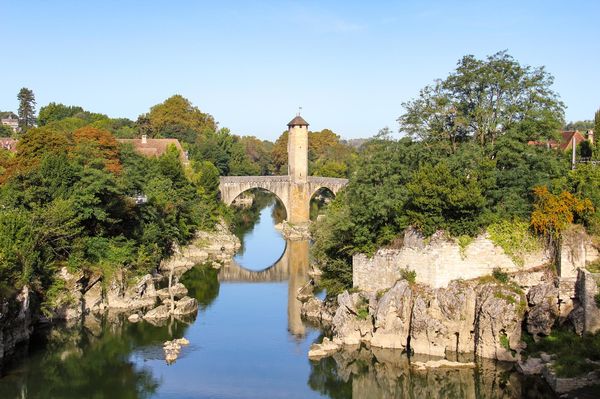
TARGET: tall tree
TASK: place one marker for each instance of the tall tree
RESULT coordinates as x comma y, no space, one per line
484,99
597,130
26,109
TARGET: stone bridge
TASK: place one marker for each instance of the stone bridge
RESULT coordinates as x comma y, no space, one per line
232,186
294,190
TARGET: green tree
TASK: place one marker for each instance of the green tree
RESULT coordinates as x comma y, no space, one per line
6,131
484,99
26,109
597,131
55,112
176,117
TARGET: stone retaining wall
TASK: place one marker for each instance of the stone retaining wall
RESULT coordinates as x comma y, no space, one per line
442,260
437,262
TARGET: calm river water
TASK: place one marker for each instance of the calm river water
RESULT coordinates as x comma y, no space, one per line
247,341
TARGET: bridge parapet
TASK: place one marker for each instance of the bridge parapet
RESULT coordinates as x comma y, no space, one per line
325,181
253,179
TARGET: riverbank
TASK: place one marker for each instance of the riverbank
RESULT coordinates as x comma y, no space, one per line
90,293
426,311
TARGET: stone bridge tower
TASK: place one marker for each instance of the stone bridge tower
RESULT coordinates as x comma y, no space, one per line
296,188
299,195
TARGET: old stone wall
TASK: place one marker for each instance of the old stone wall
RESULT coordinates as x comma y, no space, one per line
437,262
441,260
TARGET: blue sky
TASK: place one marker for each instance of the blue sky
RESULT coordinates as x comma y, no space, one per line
349,64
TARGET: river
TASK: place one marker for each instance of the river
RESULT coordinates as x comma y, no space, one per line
247,341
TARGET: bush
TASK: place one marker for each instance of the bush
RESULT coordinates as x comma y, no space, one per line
571,350
408,275
499,275
514,237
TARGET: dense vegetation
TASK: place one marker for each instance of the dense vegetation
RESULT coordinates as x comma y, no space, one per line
73,196
77,198
464,163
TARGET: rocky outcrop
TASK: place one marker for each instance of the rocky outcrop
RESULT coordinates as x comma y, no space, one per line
173,348
324,349
352,323
318,311
543,308
178,290
141,294
586,315
17,315
218,246
159,313
185,306
392,315
294,231
466,317
576,251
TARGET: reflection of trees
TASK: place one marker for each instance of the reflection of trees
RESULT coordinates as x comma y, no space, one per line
324,378
202,283
90,361
362,373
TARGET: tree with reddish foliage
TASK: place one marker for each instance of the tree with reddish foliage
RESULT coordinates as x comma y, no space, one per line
95,144
552,213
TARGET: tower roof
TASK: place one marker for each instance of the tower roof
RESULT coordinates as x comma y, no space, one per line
298,121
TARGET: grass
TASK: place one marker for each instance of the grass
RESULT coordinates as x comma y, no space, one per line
570,349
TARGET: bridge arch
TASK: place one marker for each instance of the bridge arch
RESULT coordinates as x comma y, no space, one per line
232,187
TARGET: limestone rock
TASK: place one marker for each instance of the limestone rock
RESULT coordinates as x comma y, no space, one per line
142,294
179,291
442,363
586,289
348,326
317,311
324,349
16,320
305,292
543,311
392,317
158,313
498,322
134,318
531,366
185,305
93,297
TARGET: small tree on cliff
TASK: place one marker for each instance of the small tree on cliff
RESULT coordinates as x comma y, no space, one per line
552,214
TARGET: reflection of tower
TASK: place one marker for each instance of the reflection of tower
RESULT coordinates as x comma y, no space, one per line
298,170
297,252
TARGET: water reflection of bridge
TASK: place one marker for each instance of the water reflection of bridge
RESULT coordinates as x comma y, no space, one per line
292,266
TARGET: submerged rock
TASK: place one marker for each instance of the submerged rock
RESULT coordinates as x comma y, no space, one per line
173,348
442,363
324,349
